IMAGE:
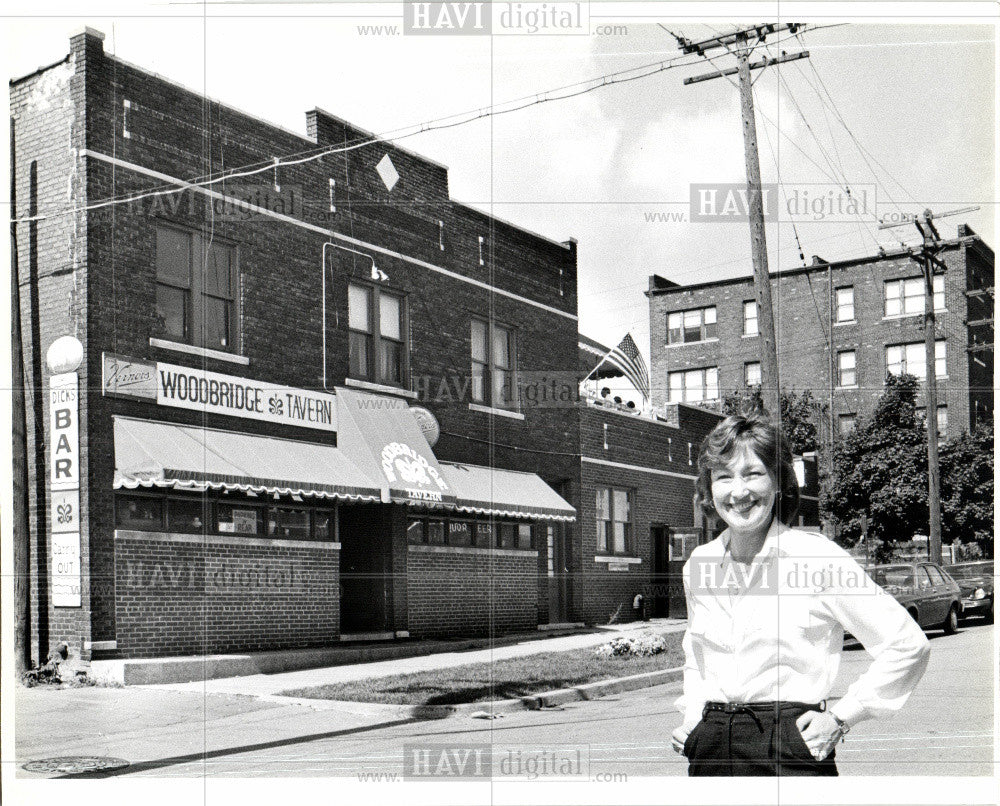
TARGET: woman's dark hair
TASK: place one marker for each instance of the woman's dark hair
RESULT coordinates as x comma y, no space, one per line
764,439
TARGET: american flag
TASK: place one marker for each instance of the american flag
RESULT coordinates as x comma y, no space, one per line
627,358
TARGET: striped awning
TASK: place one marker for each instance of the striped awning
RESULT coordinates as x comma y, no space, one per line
157,454
505,493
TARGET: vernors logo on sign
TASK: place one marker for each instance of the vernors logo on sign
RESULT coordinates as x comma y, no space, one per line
402,462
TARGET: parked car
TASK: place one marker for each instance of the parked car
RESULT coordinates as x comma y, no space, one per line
976,581
928,593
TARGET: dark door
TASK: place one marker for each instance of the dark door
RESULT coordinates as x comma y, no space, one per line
679,547
365,565
660,582
558,573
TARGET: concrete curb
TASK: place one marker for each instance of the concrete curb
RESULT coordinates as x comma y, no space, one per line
534,702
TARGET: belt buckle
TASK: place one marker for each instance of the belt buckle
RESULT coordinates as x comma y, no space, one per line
733,707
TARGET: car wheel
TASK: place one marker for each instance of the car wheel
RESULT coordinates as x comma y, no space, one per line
951,623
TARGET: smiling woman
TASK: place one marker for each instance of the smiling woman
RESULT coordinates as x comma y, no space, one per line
761,649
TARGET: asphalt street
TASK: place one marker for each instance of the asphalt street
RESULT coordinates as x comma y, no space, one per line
946,729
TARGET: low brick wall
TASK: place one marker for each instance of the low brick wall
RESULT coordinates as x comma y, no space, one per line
188,594
453,591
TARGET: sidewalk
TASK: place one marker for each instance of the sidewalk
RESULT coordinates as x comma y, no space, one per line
262,685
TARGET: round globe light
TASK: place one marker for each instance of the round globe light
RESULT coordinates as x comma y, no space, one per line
64,355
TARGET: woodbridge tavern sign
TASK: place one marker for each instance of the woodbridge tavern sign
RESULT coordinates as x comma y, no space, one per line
201,390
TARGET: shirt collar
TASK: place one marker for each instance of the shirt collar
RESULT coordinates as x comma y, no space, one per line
769,547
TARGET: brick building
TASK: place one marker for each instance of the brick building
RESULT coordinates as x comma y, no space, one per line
839,327
293,419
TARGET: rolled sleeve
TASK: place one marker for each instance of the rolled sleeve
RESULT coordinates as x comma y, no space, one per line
898,646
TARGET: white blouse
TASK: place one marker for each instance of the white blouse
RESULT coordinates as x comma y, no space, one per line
774,629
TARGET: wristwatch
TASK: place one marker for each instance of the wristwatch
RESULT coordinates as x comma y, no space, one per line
841,725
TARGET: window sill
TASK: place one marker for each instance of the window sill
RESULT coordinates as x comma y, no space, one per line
750,336
204,352
894,317
848,386
513,415
398,391
617,558
846,322
692,343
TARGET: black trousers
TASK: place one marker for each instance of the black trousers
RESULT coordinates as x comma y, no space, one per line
761,741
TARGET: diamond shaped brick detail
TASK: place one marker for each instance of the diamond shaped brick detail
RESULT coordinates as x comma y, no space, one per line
387,171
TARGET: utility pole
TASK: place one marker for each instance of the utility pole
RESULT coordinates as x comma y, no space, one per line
926,256
741,44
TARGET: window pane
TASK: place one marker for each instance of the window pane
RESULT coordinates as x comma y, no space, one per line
359,305
621,509
915,360
415,532
186,516
692,326
479,341
133,512
942,421
173,256
676,390
478,382
218,271
501,347
503,392
894,360
710,316
390,316
172,314
292,524
603,503
712,383
238,519
675,328
508,535
938,292
940,364
619,542
913,296
694,389
435,532
524,535
459,533
751,373
391,363
322,524
484,535
359,354
217,323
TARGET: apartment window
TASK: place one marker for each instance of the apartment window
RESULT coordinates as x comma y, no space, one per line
377,325
846,423
942,420
693,385
493,365
847,368
906,297
614,520
684,327
751,373
195,289
845,304
750,318
910,359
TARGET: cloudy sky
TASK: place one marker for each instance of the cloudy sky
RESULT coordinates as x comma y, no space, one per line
906,110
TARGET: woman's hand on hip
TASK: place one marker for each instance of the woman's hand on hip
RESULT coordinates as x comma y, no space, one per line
820,732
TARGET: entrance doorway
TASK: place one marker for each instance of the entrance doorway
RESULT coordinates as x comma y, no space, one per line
659,535
365,569
558,573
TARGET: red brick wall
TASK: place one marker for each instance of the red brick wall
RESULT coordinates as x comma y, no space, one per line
454,592
187,596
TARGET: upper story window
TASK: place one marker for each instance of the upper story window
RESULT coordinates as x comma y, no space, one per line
911,359
494,365
750,318
942,420
846,422
684,327
751,373
845,304
906,297
196,281
847,368
693,385
377,323
614,520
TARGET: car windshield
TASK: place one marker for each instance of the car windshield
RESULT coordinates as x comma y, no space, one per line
900,576
970,571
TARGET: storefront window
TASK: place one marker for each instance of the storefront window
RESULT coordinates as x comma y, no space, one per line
524,535
135,512
415,532
188,517
508,535
460,533
323,524
484,534
292,524
435,532
236,519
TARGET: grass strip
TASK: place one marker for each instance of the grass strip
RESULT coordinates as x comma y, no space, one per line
498,680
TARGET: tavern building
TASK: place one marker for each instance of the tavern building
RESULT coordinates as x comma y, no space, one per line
297,416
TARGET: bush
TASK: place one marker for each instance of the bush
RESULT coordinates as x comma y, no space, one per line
630,646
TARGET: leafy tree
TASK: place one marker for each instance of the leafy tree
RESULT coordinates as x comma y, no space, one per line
800,414
880,470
